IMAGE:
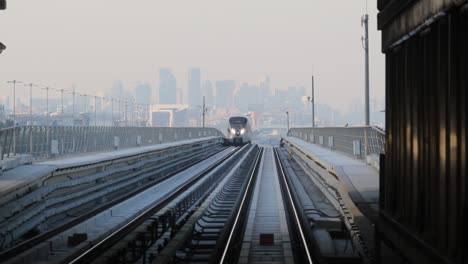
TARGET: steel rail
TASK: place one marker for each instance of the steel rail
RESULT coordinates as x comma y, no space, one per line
99,248
297,221
25,245
235,226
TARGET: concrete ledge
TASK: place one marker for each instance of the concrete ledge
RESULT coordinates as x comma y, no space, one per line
14,161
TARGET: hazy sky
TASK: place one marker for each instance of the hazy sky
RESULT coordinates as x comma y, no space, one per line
91,43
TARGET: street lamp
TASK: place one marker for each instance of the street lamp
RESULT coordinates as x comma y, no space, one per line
47,103
73,114
112,110
61,116
95,110
30,101
312,100
125,112
14,82
119,116
85,99
287,120
204,109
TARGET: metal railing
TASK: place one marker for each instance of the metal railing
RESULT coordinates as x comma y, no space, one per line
356,141
43,142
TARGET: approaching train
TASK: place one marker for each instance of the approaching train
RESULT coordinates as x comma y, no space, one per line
239,131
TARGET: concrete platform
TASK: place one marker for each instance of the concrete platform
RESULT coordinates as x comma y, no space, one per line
361,180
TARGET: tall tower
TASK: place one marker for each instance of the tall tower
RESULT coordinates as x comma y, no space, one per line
167,87
208,93
194,89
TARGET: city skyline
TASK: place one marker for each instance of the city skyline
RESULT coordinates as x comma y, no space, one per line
120,91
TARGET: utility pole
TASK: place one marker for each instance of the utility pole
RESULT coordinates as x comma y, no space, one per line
287,120
73,114
150,117
120,112
204,111
47,103
125,112
102,109
30,101
95,110
312,100
61,116
112,111
14,82
85,108
365,23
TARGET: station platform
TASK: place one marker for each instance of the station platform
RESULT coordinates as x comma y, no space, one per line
360,180
25,178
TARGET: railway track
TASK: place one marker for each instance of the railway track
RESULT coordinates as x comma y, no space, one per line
271,231
68,201
218,232
52,246
242,205
131,242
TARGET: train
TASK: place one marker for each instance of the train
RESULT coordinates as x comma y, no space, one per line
238,131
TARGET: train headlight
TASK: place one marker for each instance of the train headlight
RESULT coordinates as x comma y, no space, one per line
233,131
242,131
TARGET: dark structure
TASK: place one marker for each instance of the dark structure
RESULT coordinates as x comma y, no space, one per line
423,206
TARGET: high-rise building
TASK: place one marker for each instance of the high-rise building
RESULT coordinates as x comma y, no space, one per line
225,92
248,95
264,88
143,93
194,83
167,86
207,91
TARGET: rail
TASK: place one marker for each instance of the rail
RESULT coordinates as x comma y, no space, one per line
43,142
356,141
235,231
293,208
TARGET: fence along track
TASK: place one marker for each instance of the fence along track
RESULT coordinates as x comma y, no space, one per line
42,142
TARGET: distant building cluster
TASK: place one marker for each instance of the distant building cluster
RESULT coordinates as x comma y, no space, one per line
173,103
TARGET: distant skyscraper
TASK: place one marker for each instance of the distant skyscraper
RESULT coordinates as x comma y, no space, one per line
167,87
207,91
117,90
264,88
225,92
247,95
143,93
194,83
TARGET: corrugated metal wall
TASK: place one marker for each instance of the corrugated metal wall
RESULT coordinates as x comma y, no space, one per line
425,180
